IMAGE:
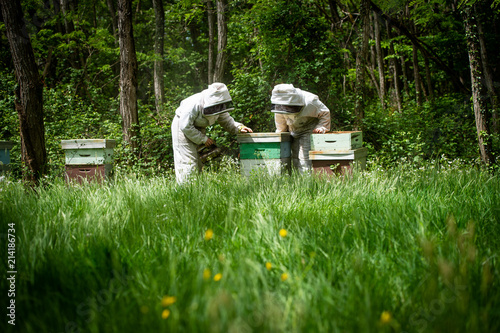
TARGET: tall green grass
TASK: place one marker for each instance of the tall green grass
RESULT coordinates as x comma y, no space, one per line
402,250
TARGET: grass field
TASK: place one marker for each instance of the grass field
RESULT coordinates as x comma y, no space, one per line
402,250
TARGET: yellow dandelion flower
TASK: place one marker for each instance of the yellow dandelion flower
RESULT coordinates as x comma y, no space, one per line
165,314
284,277
217,277
385,317
168,300
209,234
269,266
283,233
206,274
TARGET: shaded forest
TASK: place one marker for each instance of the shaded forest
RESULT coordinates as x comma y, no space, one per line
419,78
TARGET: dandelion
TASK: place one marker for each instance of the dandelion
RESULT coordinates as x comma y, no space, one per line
269,266
206,274
165,314
283,233
385,317
168,300
284,277
217,277
209,234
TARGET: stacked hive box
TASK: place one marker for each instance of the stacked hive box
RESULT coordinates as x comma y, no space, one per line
337,152
5,147
88,159
264,151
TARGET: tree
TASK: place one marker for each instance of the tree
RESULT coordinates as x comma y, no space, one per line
128,75
211,41
478,89
220,62
158,64
29,101
360,64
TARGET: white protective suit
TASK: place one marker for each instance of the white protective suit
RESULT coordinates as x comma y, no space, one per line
188,127
310,114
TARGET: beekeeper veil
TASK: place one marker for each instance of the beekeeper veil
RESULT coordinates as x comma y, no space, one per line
285,98
216,99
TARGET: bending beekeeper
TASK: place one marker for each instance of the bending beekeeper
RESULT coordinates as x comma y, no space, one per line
193,115
301,113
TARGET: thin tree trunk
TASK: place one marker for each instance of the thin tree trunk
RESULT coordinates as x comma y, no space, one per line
128,76
220,63
158,64
395,71
360,64
478,89
211,41
380,60
428,79
416,77
29,101
112,13
488,77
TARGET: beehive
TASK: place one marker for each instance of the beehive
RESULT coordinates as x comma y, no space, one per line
268,152
337,140
338,161
88,159
5,147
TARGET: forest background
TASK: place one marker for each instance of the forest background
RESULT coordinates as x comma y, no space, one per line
419,78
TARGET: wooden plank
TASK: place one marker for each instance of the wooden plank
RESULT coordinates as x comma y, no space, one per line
338,154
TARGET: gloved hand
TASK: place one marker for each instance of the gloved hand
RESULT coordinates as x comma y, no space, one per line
320,130
244,129
209,142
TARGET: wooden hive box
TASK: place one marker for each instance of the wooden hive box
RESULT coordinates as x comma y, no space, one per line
88,152
337,140
80,173
270,166
5,147
338,161
264,145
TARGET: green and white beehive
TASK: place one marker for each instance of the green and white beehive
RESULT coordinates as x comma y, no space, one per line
268,152
90,159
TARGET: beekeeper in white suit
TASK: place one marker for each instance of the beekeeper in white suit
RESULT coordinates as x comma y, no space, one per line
300,113
188,127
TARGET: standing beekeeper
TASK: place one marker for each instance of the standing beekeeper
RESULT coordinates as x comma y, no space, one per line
193,115
300,113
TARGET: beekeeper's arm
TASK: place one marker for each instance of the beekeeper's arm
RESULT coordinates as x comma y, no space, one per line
187,114
233,127
323,114
280,122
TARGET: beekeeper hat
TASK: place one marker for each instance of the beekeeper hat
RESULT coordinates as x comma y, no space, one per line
216,99
285,98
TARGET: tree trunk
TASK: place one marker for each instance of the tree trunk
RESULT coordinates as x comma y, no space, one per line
220,63
158,64
29,101
112,12
428,78
416,77
128,75
380,59
488,75
211,41
360,59
478,89
395,71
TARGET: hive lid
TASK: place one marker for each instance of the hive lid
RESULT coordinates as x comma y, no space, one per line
88,143
7,144
263,137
